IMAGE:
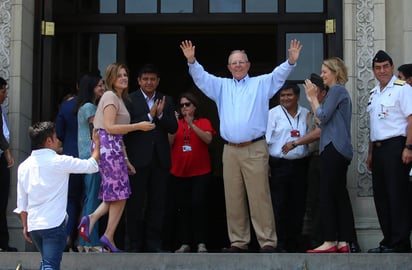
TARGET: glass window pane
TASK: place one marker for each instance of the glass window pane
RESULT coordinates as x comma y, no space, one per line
106,51
176,6
225,6
304,6
311,56
263,6
108,6
141,6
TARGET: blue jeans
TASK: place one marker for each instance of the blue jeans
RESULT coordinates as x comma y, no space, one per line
51,244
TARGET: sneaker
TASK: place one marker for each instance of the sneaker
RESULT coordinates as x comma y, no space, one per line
201,248
81,248
95,249
183,249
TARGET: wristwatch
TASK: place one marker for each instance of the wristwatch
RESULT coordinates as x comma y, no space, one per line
294,144
408,146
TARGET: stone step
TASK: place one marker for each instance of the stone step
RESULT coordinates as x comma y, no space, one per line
216,261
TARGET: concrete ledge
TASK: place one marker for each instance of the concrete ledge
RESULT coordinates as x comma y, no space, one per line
250,261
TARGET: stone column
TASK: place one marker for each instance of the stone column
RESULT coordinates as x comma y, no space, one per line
16,66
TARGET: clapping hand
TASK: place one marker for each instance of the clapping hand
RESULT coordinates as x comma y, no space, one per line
310,90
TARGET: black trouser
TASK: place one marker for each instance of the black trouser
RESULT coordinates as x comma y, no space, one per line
390,177
337,220
4,197
191,203
288,184
313,199
145,207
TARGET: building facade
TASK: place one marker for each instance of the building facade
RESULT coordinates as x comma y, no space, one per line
45,45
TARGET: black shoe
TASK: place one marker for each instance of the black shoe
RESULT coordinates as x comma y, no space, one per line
234,249
158,250
354,247
381,249
268,249
8,249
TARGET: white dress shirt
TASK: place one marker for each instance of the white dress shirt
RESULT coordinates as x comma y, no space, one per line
43,185
278,132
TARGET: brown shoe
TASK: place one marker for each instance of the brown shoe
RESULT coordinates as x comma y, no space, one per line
268,249
234,249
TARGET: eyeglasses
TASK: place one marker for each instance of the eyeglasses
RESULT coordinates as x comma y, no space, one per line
185,104
238,62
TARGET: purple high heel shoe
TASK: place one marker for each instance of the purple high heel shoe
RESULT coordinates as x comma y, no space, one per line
84,228
107,245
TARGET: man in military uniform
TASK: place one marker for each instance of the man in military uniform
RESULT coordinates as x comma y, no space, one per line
390,154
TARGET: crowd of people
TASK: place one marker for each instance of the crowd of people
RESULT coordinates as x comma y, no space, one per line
125,152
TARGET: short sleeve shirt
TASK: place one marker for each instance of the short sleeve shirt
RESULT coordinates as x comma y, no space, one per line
110,98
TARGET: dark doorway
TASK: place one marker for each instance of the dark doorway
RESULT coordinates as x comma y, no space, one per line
159,44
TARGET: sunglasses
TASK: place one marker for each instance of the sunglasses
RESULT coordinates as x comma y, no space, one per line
186,104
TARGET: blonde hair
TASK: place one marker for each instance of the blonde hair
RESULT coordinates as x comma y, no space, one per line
111,75
337,66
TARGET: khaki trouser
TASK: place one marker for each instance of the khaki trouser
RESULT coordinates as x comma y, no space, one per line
245,173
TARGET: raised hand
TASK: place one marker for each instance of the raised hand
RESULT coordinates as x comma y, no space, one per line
188,50
294,51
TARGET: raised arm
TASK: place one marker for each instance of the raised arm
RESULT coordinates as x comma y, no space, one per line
294,51
188,50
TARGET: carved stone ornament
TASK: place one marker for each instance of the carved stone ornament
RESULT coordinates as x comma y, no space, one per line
365,82
5,36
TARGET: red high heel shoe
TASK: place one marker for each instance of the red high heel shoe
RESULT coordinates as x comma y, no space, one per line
84,228
333,249
105,243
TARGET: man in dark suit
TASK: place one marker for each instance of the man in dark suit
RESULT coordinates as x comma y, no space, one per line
6,162
149,152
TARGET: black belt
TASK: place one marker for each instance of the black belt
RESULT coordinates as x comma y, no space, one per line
390,140
243,144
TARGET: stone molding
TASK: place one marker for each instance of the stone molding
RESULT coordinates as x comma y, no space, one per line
5,37
365,82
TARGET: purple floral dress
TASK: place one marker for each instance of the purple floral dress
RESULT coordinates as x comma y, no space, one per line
113,168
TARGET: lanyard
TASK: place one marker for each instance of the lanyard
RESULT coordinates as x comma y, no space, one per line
290,122
186,134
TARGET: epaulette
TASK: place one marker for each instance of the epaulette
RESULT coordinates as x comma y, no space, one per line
399,82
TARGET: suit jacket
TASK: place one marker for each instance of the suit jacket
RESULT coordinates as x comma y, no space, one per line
142,145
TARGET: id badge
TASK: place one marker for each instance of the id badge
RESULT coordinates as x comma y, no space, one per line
382,115
295,133
186,148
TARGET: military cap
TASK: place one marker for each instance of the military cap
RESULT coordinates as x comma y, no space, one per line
317,80
380,57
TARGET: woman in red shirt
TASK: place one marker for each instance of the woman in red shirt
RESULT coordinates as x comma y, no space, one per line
191,169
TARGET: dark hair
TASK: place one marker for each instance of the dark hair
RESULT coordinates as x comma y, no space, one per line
293,86
39,132
2,82
193,99
148,68
86,91
406,69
